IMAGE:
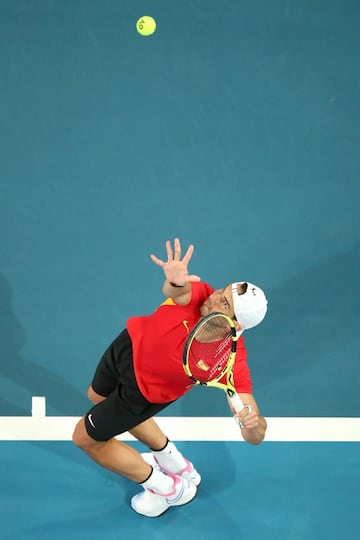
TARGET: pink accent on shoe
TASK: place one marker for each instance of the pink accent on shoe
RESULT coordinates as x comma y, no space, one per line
176,479
187,468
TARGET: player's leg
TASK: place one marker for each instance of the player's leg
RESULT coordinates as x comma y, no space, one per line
119,406
160,490
164,454
94,396
112,454
115,370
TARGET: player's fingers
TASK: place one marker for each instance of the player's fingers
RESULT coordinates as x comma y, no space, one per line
177,250
169,250
156,260
188,254
246,415
246,411
251,421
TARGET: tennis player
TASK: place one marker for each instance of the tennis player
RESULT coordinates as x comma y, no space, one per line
141,373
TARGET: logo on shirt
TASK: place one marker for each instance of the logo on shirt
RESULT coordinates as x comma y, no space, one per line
186,324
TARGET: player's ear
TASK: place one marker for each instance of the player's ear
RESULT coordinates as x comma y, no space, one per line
238,326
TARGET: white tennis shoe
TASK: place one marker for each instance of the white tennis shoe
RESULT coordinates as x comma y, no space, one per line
151,504
189,472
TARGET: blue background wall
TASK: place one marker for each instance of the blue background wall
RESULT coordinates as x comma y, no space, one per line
235,127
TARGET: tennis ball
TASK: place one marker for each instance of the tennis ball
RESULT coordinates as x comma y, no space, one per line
146,25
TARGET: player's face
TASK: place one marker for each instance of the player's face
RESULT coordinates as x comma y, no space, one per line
220,300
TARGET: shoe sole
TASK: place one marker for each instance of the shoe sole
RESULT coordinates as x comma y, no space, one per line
169,505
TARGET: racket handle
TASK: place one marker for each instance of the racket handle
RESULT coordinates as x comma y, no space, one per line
236,402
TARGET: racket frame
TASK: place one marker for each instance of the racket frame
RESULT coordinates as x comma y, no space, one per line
229,388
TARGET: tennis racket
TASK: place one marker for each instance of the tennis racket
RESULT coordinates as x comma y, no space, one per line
209,355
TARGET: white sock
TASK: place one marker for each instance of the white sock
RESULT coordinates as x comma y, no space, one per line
159,482
170,458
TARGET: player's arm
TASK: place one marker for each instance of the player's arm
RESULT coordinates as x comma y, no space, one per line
253,424
178,280
180,293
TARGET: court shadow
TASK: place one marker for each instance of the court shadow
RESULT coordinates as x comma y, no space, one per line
27,374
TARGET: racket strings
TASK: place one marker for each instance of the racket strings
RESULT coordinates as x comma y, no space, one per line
209,348
207,361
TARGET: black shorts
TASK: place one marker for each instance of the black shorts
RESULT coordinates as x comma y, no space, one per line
124,407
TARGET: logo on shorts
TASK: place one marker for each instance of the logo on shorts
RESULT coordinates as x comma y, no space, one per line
91,421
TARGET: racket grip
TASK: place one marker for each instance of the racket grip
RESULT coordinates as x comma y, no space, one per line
236,402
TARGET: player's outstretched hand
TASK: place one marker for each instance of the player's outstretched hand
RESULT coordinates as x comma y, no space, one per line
175,268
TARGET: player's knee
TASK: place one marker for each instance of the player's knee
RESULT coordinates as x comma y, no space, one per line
93,396
80,436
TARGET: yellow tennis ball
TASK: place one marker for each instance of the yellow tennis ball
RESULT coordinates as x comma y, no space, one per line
146,25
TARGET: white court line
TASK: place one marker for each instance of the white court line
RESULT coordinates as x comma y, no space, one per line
40,427
38,407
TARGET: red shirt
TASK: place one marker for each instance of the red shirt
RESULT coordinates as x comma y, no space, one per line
158,341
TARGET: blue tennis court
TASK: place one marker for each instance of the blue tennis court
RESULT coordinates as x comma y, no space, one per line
279,490
235,126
